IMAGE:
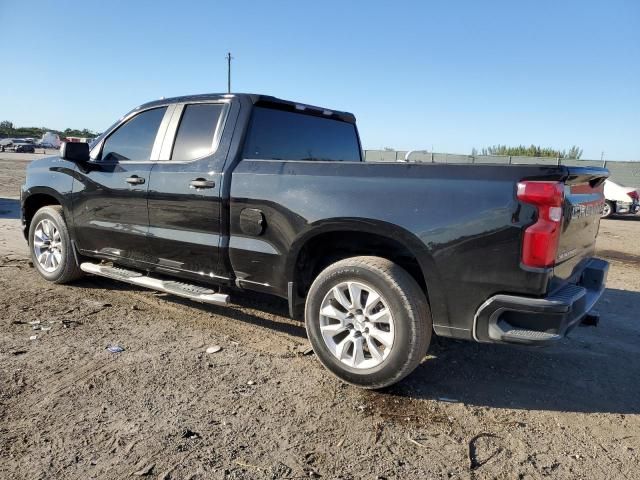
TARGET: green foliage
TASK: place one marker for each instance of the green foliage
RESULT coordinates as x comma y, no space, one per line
7,129
530,151
574,152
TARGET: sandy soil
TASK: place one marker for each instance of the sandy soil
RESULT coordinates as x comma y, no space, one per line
262,409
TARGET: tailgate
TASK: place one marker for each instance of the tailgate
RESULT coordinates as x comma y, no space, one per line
584,199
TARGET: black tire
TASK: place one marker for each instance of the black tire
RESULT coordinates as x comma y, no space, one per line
408,306
67,270
608,210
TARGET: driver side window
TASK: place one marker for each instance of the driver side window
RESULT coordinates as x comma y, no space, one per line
133,140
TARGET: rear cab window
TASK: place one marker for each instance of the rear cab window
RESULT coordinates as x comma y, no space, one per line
284,135
197,131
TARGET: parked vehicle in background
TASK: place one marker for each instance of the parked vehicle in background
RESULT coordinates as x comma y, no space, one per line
24,147
45,145
16,145
8,144
50,138
200,196
620,200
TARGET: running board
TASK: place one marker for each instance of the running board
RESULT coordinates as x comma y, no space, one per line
187,290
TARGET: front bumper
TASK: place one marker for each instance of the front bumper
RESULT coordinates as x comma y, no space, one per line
540,321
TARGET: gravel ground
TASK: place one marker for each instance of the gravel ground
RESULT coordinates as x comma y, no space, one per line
262,409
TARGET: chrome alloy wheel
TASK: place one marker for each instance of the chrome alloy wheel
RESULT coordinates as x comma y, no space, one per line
606,210
47,245
357,325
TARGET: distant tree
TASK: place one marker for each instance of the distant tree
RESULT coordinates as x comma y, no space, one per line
6,128
532,151
72,132
574,152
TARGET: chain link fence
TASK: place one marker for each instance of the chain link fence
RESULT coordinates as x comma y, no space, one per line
625,173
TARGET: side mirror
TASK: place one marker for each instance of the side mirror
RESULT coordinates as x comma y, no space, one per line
76,152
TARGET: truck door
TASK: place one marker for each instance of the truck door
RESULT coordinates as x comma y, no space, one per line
110,193
184,192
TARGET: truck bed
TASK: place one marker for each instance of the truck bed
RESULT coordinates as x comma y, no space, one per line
463,223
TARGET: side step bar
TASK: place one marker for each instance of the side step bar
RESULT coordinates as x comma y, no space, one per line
187,290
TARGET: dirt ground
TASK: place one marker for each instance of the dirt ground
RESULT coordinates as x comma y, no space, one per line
262,409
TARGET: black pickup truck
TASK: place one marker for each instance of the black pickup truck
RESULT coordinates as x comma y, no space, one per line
201,196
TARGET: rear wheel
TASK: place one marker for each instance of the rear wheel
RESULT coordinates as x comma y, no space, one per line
607,210
51,247
368,321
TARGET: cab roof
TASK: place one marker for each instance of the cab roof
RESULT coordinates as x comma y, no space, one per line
256,99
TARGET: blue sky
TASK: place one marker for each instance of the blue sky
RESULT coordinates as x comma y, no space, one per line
448,74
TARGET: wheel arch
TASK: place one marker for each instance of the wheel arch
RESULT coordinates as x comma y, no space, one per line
334,240
612,208
37,198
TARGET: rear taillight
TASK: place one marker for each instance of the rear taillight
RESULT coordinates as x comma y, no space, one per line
633,195
540,242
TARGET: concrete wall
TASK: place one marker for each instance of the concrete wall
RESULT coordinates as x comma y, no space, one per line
625,173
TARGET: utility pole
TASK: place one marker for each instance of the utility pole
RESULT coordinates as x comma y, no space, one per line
229,57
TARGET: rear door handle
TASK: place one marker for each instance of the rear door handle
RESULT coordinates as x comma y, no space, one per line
135,180
202,183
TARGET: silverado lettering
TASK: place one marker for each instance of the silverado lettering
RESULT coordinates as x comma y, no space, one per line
586,210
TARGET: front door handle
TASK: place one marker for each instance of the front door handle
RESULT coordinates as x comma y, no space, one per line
202,183
135,180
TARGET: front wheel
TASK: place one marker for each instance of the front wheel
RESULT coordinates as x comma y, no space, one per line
607,210
51,247
368,321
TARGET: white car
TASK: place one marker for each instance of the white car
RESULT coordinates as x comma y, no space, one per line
619,200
